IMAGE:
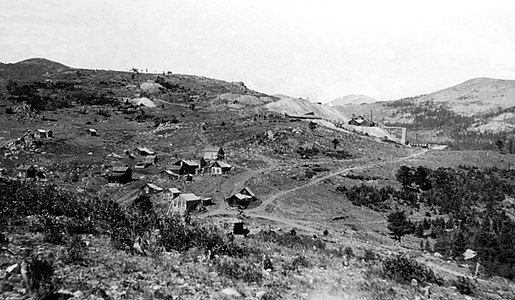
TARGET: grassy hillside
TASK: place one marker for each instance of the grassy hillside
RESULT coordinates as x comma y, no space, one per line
69,233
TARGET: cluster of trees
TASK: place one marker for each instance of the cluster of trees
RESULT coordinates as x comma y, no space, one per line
468,203
471,200
53,95
376,198
475,140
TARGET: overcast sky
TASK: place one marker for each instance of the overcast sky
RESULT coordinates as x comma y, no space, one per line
316,49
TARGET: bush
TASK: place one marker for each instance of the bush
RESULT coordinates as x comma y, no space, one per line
403,269
40,275
298,261
177,236
292,241
348,252
77,251
55,230
369,255
238,269
465,286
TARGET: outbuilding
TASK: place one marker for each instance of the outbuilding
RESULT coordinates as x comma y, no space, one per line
220,167
120,175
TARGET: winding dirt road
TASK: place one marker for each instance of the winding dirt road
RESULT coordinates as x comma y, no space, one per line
259,212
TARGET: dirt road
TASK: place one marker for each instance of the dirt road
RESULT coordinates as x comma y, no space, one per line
280,194
259,212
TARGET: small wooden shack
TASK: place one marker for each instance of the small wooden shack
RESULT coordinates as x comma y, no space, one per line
183,204
43,134
220,167
214,153
187,166
26,171
120,175
93,132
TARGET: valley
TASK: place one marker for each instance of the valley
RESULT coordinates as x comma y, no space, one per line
306,238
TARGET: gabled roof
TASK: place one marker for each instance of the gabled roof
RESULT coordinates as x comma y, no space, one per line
173,168
24,167
190,163
189,197
121,169
174,190
144,149
248,191
212,149
241,196
154,187
222,164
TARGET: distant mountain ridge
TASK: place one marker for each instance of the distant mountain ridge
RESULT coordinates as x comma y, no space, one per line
351,99
481,99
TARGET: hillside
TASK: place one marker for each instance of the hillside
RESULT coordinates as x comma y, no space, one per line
471,115
295,106
351,99
316,225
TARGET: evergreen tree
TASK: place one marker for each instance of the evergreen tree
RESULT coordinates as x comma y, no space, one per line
428,246
405,176
399,225
459,244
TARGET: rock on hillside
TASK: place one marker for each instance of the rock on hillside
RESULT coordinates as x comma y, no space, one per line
294,106
351,99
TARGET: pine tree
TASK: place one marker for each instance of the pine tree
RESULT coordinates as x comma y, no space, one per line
459,244
399,225
428,246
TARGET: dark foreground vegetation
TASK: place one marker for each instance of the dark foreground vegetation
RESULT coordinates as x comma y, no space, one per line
471,206
140,230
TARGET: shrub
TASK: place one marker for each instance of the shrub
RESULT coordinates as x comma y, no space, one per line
177,236
293,241
77,251
403,269
55,230
238,269
298,261
465,286
348,252
369,255
40,275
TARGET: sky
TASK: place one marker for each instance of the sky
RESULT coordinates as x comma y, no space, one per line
316,49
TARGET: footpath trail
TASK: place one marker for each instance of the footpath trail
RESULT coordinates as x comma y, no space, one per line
231,187
280,194
259,212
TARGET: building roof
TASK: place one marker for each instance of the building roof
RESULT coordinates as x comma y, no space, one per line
212,149
174,190
222,164
154,187
241,196
145,149
173,168
248,191
190,163
190,197
121,169
24,167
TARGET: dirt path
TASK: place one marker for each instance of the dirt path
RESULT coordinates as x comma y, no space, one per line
259,212
231,187
325,177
